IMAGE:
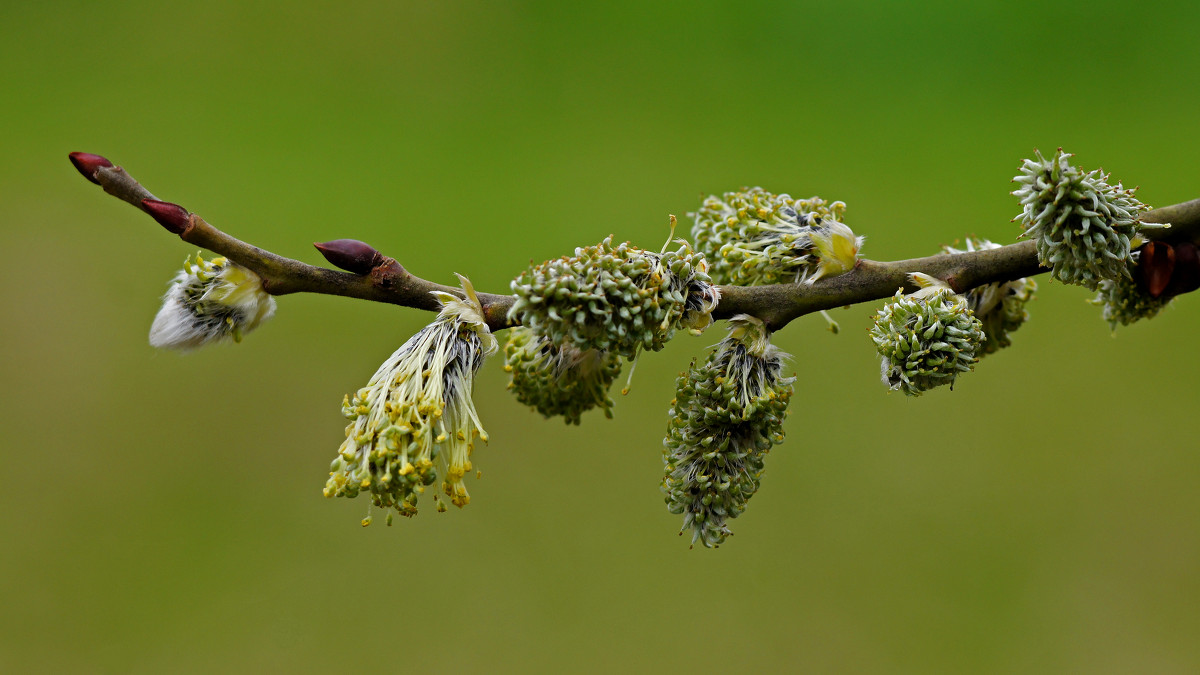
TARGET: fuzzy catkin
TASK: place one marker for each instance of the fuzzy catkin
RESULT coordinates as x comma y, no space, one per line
1081,224
727,414
210,301
926,339
1122,302
1000,307
753,237
618,299
416,408
558,380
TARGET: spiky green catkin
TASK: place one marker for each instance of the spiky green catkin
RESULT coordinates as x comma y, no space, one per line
417,407
927,338
1082,225
753,237
559,380
1122,302
618,299
1000,307
727,413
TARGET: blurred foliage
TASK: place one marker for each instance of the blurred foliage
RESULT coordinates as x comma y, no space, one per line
164,513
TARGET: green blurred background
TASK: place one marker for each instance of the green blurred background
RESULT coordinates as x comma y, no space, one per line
163,513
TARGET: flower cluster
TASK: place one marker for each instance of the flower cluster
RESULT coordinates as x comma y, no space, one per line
617,299
927,338
726,415
1122,301
210,301
754,237
1082,225
416,408
557,380
1000,307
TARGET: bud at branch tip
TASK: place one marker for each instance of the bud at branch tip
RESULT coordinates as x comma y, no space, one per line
88,164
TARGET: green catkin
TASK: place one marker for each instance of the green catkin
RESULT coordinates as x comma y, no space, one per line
727,414
1000,307
927,338
1081,224
1122,302
559,380
618,299
753,237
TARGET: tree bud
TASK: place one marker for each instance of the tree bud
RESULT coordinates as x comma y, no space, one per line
171,216
88,164
1186,276
351,255
1155,266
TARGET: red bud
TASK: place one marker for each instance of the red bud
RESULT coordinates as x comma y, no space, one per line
171,216
88,164
351,255
1155,266
1186,277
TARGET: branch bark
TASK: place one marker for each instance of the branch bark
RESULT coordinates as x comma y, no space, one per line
776,304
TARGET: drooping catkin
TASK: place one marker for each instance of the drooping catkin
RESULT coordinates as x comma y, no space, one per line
999,306
727,414
417,408
562,380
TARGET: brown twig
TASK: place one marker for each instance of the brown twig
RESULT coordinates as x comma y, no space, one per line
778,304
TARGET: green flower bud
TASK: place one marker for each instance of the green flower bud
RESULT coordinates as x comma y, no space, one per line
417,405
727,414
927,338
753,237
1000,307
617,299
559,380
210,301
1081,224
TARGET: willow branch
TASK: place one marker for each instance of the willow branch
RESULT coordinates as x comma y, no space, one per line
388,281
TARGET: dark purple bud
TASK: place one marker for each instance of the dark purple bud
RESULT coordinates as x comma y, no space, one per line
88,164
351,255
1186,277
1155,266
171,216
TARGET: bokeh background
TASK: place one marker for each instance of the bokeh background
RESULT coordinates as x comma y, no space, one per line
163,513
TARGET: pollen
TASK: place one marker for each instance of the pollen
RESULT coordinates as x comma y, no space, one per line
755,237
426,384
